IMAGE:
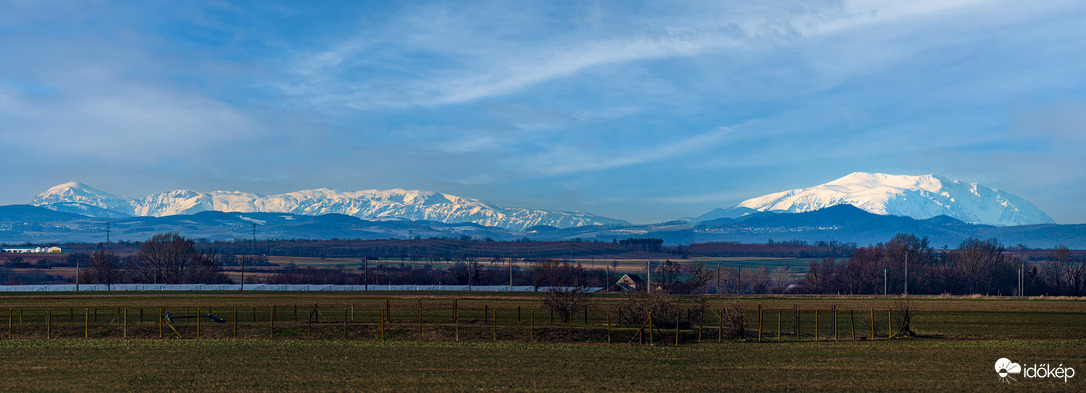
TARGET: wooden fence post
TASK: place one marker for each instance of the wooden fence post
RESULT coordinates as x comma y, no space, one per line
198,321
889,324
720,328
701,322
345,315
852,321
161,316
486,312
456,319
234,319
872,323
271,323
816,325
48,323
779,314
383,317
759,323
835,323
125,334
494,325
86,323
420,322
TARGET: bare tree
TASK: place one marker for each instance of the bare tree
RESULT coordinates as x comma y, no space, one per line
169,258
103,269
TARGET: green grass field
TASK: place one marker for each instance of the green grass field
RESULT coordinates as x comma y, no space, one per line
959,341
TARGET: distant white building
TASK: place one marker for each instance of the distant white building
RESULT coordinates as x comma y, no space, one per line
37,250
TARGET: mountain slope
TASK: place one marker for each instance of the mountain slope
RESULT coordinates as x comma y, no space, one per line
369,204
919,197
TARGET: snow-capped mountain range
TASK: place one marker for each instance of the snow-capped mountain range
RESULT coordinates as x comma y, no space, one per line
368,204
919,197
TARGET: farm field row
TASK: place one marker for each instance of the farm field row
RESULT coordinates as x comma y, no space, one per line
486,342
275,365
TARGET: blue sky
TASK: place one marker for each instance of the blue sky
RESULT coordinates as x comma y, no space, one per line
641,111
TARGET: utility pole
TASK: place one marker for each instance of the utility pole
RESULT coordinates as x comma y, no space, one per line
1021,280
648,282
366,272
883,282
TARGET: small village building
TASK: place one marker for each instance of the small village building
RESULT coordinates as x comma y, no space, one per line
630,282
37,250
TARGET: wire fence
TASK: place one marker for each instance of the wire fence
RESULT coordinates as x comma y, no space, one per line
442,320
277,287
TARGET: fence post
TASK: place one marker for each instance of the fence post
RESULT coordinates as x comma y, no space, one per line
518,315
779,314
494,325
86,323
271,323
71,315
872,323
650,328
795,317
720,328
701,322
835,323
456,319
125,331
234,319
383,312
608,327
161,316
852,321
309,325
889,324
531,333
816,325
420,322
759,323
48,323
141,314
486,313
198,321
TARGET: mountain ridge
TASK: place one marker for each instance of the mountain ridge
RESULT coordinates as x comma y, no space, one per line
75,197
920,197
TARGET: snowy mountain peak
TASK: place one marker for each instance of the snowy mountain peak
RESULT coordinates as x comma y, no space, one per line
81,194
369,204
919,197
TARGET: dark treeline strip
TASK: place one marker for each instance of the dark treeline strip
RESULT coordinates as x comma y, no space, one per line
975,267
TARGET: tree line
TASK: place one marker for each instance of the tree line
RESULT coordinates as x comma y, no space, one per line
908,264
